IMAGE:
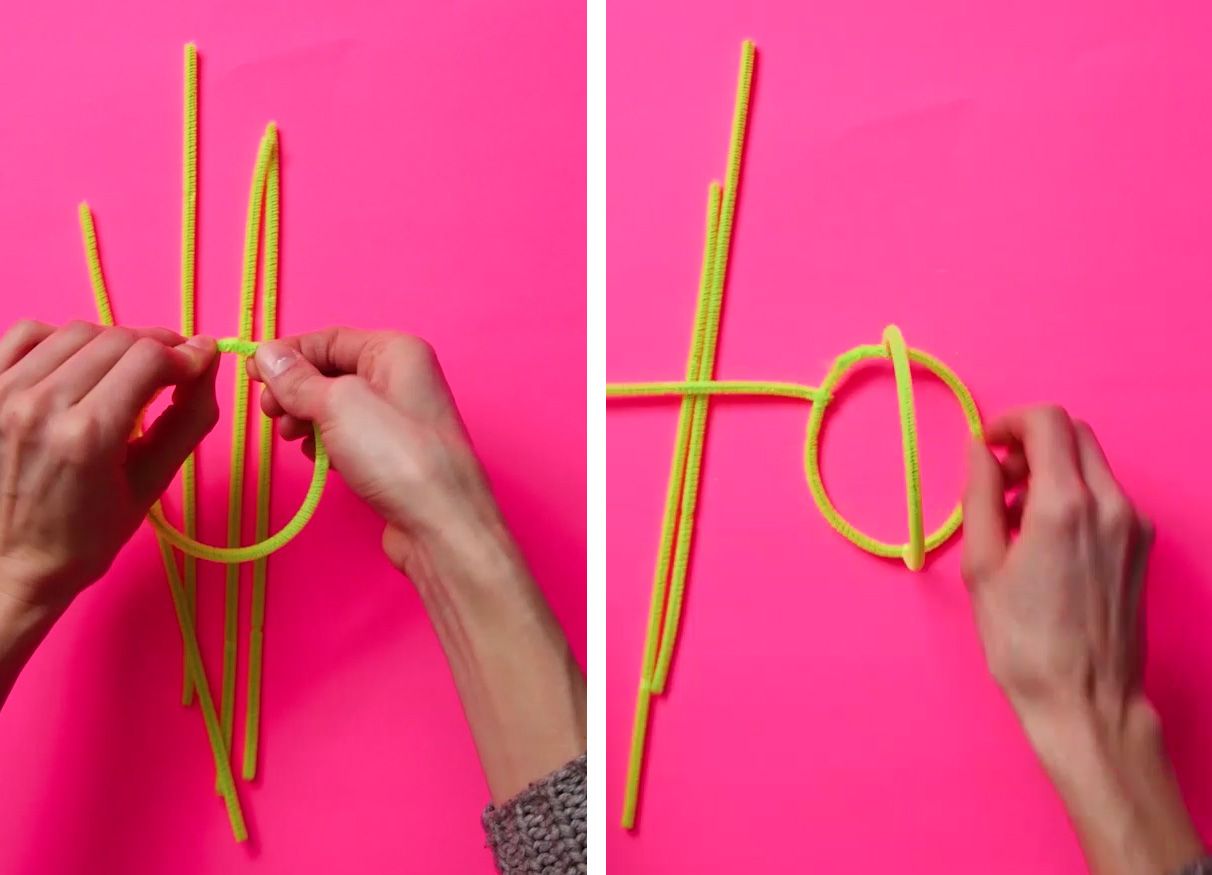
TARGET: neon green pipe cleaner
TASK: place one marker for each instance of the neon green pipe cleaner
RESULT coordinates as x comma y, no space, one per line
677,527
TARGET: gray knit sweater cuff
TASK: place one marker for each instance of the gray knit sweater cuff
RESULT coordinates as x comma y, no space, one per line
542,829
1199,867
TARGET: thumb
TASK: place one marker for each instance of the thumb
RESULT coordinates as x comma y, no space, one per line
985,535
155,456
294,381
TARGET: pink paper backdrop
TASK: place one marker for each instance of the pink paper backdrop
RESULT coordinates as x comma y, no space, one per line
1026,192
433,182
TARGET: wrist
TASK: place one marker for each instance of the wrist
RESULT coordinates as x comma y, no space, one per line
1110,768
22,627
522,691
466,551
448,531
1069,734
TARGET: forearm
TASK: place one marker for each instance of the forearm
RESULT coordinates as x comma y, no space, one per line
22,628
521,689
1115,779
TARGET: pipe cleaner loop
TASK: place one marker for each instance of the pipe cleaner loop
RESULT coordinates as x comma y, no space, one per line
913,553
235,555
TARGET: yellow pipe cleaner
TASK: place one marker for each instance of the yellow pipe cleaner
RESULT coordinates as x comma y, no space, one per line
269,331
189,238
265,189
181,603
235,483
681,498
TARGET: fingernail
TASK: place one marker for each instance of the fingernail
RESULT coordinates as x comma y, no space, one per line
274,358
200,341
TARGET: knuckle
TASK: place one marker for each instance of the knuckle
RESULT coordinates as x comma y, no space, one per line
75,438
329,339
149,351
972,571
1118,515
1052,415
79,329
1065,510
21,414
413,355
121,334
423,351
25,330
415,351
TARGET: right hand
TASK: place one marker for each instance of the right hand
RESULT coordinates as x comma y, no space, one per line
388,421
391,428
1056,577
1056,570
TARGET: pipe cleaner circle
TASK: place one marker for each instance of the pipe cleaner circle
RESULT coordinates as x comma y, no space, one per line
914,551
275,542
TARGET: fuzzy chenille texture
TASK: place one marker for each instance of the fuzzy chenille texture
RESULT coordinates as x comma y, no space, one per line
542,829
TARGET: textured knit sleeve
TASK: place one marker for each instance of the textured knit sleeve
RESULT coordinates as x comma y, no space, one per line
1199,867
542,829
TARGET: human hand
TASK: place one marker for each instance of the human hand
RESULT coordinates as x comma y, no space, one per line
1055,556
74,485
391,428
389,423
1056,576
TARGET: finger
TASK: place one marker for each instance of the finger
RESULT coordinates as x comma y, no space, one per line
335,350
41,361
269,403
1046,436
156,456
293,429
1097,474
297,385
76,377
1134,614
1014,467
985,530
146,368
19,340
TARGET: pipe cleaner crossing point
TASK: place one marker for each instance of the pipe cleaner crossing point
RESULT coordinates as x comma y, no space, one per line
681,497
261,245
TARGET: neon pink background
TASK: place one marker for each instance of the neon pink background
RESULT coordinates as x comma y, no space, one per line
433,182
1026,192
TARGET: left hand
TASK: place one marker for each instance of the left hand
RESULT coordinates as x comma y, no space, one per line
74,483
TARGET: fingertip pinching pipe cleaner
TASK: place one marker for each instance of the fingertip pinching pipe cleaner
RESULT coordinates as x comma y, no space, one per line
677,526
260,245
